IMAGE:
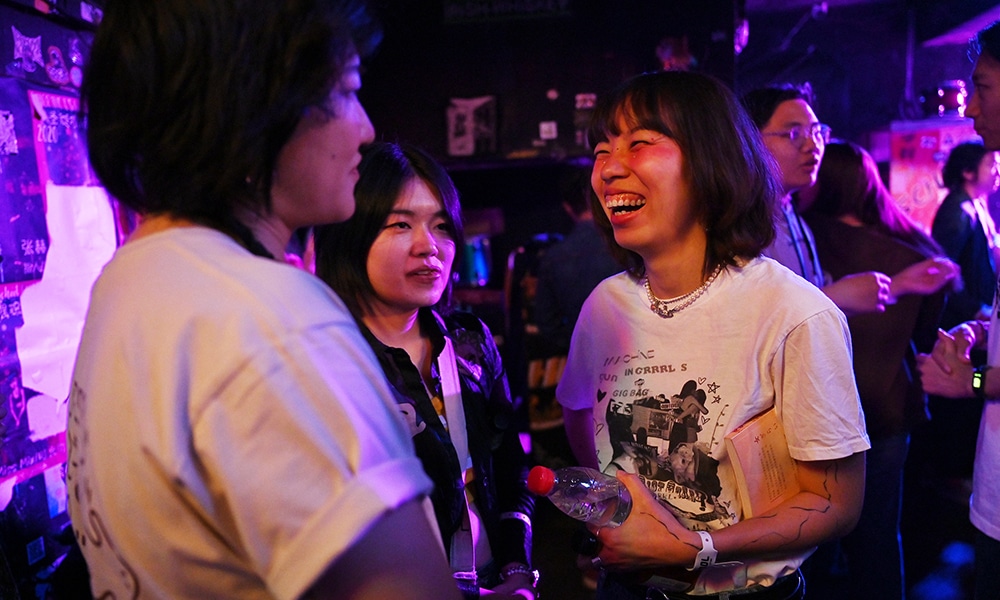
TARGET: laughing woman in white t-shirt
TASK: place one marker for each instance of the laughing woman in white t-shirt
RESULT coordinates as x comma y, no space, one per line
685,193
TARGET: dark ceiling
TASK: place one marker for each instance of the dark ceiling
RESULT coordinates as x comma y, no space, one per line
774,5
936,22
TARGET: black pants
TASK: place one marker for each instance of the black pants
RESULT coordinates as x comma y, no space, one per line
789,587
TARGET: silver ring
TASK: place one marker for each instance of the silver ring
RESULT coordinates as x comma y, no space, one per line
596,562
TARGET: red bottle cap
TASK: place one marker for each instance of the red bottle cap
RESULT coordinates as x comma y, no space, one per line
540,480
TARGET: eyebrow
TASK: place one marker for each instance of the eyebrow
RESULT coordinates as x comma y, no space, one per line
409,213
791,124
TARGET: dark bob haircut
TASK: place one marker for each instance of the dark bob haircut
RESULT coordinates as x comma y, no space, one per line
963,158
730,173
189,103
342,248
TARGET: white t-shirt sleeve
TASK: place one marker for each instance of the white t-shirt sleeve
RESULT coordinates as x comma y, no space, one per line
815,390
308,451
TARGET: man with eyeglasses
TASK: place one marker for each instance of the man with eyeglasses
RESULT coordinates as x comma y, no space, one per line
796,139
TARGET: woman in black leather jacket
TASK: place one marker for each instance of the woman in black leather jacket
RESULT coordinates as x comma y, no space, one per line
392,265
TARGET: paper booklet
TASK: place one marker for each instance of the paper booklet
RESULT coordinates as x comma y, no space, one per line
765,472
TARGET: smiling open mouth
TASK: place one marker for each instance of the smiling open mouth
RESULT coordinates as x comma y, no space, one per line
624,203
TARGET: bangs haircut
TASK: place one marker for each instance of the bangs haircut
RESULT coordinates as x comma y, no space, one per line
342,249
731,175
638,106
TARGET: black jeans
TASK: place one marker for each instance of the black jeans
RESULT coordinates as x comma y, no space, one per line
789,587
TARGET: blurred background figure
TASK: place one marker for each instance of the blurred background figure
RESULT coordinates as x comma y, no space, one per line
567,272
392,263
796,139
964,228
572,268
859,227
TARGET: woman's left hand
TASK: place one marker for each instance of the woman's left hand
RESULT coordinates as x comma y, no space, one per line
650,538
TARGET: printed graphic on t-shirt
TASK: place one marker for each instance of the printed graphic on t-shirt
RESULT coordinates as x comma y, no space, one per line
661,436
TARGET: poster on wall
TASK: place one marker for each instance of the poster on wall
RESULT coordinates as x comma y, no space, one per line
57,230
919,150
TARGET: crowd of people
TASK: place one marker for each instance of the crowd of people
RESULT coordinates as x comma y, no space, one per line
242,427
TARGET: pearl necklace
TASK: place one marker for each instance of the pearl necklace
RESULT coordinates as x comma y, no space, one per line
663,308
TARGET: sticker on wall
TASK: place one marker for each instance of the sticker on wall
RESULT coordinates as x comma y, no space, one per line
76,62
55,68
55,490
59,141
472,126
27,50
24,237
8,138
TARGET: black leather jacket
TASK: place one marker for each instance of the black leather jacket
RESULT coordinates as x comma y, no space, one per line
500,464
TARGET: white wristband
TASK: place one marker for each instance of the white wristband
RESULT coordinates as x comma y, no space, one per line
520,516
707,555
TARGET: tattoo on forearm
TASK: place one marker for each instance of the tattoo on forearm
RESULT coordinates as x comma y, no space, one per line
668,530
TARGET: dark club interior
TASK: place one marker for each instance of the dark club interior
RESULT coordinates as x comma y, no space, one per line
501,94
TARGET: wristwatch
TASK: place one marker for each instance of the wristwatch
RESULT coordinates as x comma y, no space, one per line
979,381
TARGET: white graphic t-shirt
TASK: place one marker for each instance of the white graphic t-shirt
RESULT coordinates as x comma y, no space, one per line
664,392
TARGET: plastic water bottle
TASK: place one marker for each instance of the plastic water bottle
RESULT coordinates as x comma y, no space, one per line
583,493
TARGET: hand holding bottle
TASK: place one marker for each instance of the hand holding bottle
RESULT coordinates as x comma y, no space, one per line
650,540
583,493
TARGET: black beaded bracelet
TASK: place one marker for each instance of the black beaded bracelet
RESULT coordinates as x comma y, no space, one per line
525,569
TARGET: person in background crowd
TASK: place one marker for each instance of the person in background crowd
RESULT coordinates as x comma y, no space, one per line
392,263
949,371
796,139
230,433
572,268
685,193
567,273
858,227
964,228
